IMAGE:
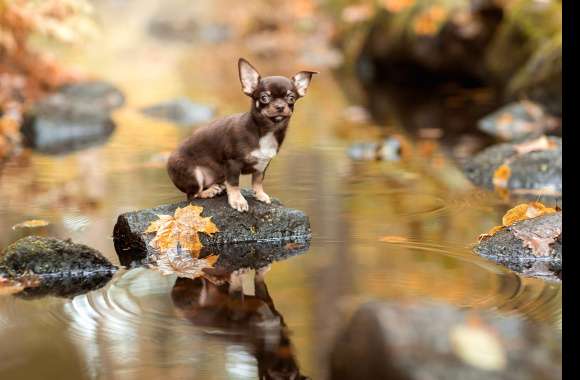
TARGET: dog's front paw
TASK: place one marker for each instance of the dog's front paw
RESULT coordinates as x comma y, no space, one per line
263,197
238,202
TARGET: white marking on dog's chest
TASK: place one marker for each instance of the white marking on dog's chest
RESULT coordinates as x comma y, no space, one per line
267,150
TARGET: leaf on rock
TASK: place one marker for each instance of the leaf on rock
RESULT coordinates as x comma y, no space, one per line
541,143
520,212
34,223
9,286
501,176
181,230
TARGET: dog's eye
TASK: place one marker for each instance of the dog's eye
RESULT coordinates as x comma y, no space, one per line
265,98
290,99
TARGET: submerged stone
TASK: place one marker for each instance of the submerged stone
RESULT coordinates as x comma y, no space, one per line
181,111
63,268
391,340
251,237
75,117
532,247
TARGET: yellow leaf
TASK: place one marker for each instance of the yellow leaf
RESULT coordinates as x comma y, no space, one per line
181,230
541,143
34,223
520,212
394,239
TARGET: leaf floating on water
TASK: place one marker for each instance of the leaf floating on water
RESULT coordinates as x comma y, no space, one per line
518,213
181,230
33,223
393,239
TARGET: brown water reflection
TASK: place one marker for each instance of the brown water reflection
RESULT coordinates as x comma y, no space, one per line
132,328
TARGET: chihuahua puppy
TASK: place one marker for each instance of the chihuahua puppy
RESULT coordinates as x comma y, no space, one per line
214,156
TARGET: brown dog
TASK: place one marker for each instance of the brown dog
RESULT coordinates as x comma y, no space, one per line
215,156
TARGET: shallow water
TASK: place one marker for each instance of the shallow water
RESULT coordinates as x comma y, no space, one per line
381,230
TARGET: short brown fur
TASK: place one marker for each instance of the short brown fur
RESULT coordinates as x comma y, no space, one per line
226,148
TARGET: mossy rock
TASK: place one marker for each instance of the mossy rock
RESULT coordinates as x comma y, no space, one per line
62,267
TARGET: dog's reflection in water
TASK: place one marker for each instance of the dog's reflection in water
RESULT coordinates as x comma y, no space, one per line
219,302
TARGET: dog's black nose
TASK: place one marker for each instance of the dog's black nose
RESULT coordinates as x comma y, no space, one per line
280,108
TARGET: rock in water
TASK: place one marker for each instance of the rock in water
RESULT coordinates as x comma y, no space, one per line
181,111
75,117
438,341
262,227
62,267
532,247
528,173
517,121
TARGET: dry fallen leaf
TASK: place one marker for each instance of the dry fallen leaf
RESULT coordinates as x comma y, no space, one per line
541,143
501,176
181,230
520,212
34,223
393,239
8,286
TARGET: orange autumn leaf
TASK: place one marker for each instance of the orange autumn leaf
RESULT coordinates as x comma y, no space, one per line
34,223
501,176
525,211
181,230
397,5
518,213
8,286
541,143
393,239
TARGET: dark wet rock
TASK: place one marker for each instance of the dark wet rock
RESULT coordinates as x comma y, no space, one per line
263,223
256,255
75,117
66,287
518,121
536,172
532,247
181,111
430,41
438,341
63,268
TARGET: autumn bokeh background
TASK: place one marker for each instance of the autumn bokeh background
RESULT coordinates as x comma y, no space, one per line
420,73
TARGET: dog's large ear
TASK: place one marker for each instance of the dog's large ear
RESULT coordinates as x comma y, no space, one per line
302,80
249,77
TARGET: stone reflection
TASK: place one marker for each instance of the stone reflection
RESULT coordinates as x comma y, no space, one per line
239,306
